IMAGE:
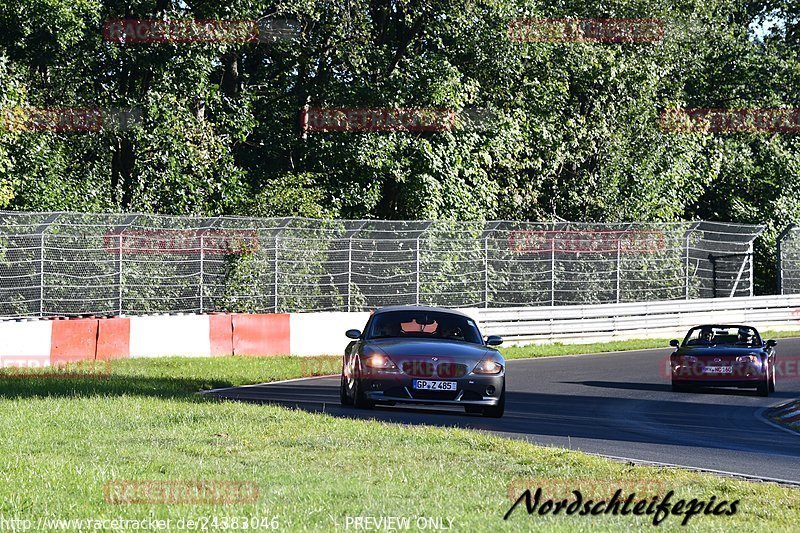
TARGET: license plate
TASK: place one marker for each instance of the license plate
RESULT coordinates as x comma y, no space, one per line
718,370
423,384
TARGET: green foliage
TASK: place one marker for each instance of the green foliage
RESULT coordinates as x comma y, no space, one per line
574,130
291,194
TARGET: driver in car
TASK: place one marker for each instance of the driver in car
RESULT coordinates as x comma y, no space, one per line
389,329
451,331
705,337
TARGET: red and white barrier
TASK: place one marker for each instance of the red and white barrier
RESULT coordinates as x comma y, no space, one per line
44,342
159,336
261,334
322,333
73,340
113,339
25,343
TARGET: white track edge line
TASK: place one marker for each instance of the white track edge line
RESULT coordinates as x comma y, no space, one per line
748,477
265,383
760,415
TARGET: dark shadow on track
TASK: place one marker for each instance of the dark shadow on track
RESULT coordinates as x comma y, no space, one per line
735,391
622,385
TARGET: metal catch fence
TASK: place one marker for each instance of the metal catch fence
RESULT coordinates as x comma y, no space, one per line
789,260
127,264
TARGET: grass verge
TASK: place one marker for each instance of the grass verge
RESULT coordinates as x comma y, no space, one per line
64,440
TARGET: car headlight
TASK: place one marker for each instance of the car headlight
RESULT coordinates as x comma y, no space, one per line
488,366
752,359
380,362
688,360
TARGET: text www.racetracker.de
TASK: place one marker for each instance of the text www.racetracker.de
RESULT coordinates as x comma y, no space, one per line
198,523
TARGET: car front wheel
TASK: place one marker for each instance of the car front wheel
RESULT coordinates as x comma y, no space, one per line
360,400
344,398
764,385
772,378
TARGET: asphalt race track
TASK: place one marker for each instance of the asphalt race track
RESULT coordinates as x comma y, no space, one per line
617,404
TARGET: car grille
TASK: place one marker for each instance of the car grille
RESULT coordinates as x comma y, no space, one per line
451,370
425,369
418,369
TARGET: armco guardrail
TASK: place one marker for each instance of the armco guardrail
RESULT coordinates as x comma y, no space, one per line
590,323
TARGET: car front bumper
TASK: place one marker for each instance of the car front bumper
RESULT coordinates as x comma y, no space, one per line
740,376
471,390
740,383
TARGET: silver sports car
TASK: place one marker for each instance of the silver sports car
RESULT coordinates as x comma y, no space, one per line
423,355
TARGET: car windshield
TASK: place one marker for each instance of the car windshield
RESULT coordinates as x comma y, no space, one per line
424,324
722,336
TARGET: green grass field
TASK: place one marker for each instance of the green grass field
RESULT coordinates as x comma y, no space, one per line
64,439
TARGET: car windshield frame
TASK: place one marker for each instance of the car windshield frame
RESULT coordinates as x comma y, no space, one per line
758,341
371,333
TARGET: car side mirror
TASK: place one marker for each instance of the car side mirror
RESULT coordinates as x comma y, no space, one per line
353,334
674,343
494,340
772,343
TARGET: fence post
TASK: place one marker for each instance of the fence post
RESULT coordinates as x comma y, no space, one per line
553,271
779,265
275,283
202,272
417,284
486,272
713,260
41,275
687,264
619,249
119,277
752,268
349,269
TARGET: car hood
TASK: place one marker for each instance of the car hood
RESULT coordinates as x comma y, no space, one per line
407,349
719,351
